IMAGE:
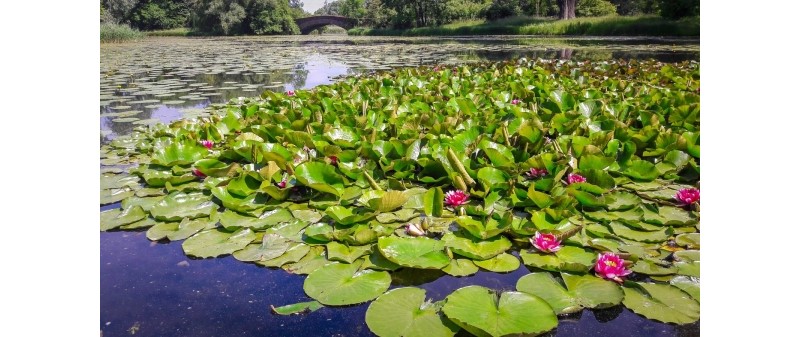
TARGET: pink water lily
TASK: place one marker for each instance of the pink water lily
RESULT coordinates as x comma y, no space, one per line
207,143
536,173
334,160
290,93
414,230
575,178
515,101
455,198
546,243
198,174
281,184
610,266
688,196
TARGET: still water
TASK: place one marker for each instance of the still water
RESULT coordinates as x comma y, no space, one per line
153,289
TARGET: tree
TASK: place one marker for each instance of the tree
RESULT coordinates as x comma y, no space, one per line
566,9
595,8
676,9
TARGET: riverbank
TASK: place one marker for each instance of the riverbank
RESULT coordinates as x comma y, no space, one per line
524,25
118,33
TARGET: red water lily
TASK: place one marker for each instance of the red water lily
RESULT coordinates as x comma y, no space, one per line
688,196
207,143
515,101
455,198
334,160
290,93
536,173
198,174
546,243
281,184
575,178
610,266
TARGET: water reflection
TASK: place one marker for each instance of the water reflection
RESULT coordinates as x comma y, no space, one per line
163,79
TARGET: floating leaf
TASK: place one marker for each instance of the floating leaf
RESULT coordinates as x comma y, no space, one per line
479,311
582,291
177,206
420,252
460,267
272,246
661,302
404,312
216,242
297,308
502,263
344,284
474,248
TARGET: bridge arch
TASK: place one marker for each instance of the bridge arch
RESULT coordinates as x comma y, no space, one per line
309,24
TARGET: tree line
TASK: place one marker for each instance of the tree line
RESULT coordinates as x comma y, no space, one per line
263,17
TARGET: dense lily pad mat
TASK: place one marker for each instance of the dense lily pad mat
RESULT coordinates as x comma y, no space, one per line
408,175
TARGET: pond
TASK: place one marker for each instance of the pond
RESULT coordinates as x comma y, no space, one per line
154,289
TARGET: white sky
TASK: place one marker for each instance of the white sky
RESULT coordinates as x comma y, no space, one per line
312,5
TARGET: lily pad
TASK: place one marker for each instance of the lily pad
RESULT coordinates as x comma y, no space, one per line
403,312
297,308
175,231
475,248
419,252
346,254
480,311
460,267
177,206
272,246
216,242
502,263
293,254
577,292
568,259
116,217
344,284
661,302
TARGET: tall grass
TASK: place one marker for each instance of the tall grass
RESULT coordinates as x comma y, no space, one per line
524,25
171,32
118,33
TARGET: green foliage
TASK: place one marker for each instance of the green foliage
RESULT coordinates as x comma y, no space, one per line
675,9
601,26
595,8
160,14
636,7
110,32
502,8
237,17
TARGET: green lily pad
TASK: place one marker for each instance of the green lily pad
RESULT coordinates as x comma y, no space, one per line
460,267
479,311
502,263
344,284
320,176
346,254
660,302
419,252
475,248
297,308
177,153
390,201
216,242
691,285
115,218
294,253
175,231
110,196
313,260
568,259
403,312
177,206
689,240
433,202
348,216
272,246
641,236
577,293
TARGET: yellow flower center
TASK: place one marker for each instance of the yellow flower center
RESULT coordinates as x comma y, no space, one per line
611,263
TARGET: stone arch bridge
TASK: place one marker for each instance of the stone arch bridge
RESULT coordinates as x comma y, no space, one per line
309,24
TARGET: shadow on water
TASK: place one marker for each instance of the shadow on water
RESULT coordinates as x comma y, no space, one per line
153,289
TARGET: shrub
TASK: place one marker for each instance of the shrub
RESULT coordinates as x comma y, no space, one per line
110,32
675,9
595,8
502,8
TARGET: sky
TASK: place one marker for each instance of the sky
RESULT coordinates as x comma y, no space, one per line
312,5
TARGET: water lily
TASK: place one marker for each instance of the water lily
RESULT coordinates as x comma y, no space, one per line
515,101
414,230
290,93
198,174
575,178
334,160
207,143
536,173
688,196
281,184
455,198
546,243
610,266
